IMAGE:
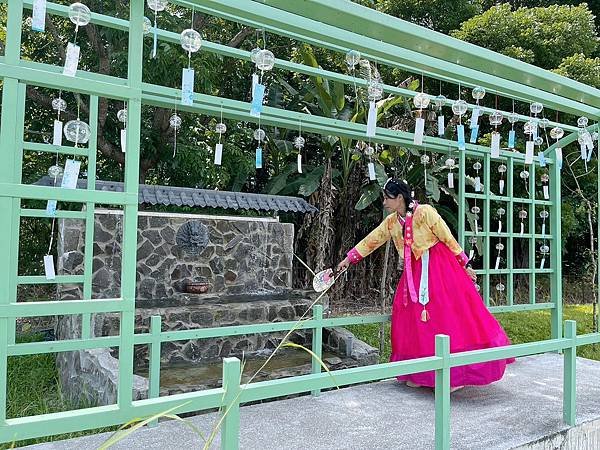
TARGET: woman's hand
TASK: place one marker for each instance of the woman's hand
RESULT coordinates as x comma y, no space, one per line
342,265
471,273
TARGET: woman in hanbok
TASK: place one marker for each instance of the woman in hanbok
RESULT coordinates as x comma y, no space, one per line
436,293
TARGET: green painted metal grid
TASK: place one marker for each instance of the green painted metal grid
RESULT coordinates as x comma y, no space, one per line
133,90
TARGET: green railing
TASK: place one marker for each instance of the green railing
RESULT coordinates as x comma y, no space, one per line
279,17
229,397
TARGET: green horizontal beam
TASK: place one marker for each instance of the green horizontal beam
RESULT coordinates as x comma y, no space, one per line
526,307
49,148
60,214
500,198
62,308
40,279
343,377
442,54
66,195
508,235
32,348
44,77
509,351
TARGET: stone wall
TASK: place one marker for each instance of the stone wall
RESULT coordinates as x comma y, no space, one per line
233,255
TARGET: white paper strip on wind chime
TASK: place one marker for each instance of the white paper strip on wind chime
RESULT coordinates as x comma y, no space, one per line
583,151
71,174
501,186
372,120
371,167
258,157
559,157
543,228
451,180
299,163
474,118
187,86
441,125
495,144
589,154
51,208
71,60
257,100
542,263
124,140
254,83
38,19
49,267
499,226
471,254
218,154
546,190
542,159
419,131
522,229
460,133
476,226
529,147
477,184
497,263
58,133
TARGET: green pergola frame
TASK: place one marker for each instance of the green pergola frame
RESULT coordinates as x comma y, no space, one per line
326,23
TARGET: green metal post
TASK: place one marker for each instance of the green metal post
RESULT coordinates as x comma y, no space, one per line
90,216
317,343
531,231
556,252
569,374
230,430
8,156
442,394
462,223
154,353
487,189
510,217
130,225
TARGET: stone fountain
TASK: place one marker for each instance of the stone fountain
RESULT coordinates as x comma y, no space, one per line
195,271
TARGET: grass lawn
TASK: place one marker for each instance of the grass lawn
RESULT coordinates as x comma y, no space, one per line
521,327
33,388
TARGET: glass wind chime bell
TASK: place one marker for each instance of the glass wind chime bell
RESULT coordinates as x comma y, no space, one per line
80,15
156,6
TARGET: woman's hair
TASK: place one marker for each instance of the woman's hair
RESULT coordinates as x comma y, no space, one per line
394,188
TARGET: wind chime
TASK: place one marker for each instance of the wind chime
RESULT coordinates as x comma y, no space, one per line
299,142
191,41
156,6
478,93
80,15
122,117
220,129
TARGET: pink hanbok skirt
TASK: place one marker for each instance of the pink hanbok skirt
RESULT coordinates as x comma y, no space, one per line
455,309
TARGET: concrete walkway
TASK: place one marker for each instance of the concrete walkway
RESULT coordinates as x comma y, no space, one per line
522,408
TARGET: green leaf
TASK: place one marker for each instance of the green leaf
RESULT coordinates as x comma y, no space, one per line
369,194
337,95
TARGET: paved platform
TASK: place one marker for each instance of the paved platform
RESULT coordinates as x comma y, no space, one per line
523,409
